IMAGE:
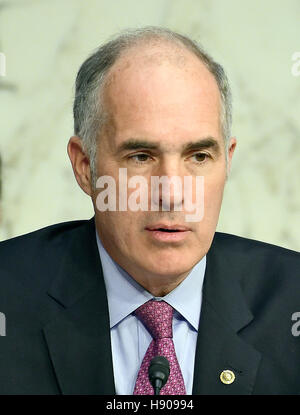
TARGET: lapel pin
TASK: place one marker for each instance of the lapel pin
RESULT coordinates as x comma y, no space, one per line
227,377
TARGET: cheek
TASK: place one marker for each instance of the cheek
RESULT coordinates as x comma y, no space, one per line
112,221
119,232
124,228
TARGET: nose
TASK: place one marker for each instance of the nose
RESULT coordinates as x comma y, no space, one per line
167,186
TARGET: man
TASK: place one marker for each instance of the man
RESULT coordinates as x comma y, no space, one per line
77,296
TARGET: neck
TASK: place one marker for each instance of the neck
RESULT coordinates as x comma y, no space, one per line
160,286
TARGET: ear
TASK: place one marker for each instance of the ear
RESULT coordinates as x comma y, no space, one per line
231,147
80,164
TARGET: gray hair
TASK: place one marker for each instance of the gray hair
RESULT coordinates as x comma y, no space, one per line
88,109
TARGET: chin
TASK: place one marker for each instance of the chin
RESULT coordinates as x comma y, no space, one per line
172,266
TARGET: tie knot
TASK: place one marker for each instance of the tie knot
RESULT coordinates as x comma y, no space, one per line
157,316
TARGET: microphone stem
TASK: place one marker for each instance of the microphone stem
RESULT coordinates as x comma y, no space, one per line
156,391
157,386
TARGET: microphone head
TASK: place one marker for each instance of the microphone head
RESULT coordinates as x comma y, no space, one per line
159,368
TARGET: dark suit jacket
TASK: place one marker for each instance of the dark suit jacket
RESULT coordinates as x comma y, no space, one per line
57,324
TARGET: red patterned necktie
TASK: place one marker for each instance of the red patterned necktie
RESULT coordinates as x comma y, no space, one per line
157,316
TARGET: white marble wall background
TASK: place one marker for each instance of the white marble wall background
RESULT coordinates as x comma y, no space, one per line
46,41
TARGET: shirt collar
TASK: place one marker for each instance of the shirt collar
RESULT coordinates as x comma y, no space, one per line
125,295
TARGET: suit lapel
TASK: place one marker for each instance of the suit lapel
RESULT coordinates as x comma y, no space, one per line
224,314
78,337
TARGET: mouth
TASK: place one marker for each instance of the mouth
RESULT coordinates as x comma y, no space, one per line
168,233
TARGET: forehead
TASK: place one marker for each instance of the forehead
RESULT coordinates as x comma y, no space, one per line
162,88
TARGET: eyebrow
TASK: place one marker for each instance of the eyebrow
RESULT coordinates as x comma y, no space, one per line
207,142
143,144
137,144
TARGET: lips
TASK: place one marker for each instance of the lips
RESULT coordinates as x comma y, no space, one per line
166,233
162,227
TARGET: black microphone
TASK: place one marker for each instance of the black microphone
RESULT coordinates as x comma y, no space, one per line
158,372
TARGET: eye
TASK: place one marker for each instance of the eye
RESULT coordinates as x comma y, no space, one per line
200,157
140,158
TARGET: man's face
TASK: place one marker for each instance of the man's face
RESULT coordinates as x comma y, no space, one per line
163,120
